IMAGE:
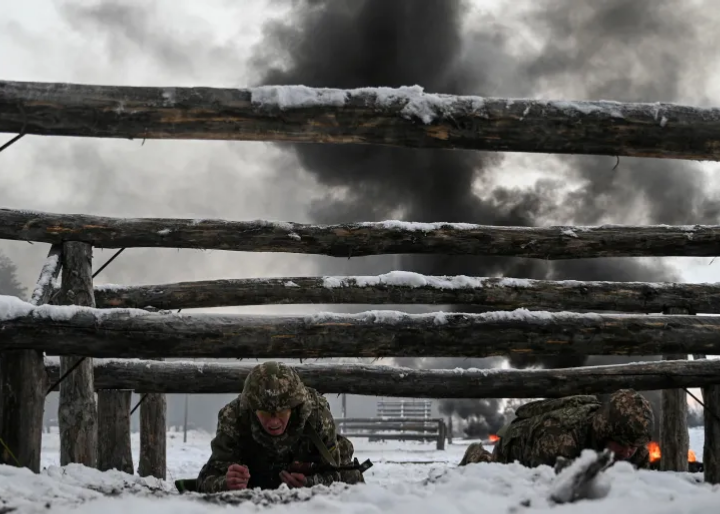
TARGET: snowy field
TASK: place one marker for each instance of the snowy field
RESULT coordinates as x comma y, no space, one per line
406,478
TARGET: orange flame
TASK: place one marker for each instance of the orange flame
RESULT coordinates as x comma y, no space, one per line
493,438
654,449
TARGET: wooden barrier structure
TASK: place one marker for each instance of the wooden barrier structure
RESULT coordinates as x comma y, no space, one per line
395,429
118,326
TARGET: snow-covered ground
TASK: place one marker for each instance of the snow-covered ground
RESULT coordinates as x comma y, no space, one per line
406,477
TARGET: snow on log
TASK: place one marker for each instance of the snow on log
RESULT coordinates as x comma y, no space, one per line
192,377
363,239
405,116
404,287
23,385
135,333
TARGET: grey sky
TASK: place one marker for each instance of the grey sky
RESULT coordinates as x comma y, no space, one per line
211,43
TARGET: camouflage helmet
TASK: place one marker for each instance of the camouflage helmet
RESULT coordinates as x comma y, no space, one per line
626,418
273,386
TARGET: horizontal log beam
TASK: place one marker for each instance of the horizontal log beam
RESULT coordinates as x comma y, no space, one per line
405,117
380,419
391,437
136,333
391,426
362,239
180,377
400,287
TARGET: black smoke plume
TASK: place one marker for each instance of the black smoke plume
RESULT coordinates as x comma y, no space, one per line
614,49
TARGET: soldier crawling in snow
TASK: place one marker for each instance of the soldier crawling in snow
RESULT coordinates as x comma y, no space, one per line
562,427
276,420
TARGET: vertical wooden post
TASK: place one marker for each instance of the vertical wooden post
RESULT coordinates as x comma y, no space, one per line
185,418
114,447
711,448
77,408
153,436
674,436
23,383
441,435
450,430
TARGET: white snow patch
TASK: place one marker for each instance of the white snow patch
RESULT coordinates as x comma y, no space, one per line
164,231
415,280
287,97
111,287
295,236
12,307
405,279
390,316
290,283
46,276
418,226
568,232
406,477
417,103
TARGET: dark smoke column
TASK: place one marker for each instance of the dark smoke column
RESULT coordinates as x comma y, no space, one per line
348,44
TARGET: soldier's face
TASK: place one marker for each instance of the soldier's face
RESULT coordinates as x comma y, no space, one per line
621,452
274,423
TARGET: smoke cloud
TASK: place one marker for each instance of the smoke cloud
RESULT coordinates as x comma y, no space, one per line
626,51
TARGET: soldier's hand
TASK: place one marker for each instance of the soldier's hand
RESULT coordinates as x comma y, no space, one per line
237,477
293,479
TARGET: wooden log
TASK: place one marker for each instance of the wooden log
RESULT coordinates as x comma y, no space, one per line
711,417
400,420
711,448
153,436
114,445
404,117
375,380
433,428
441,435
674,435
363,239
392,437
379,419
400,287
23,384
77,408
375,334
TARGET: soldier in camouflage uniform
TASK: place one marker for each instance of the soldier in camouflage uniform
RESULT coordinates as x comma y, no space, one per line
276,420
547,429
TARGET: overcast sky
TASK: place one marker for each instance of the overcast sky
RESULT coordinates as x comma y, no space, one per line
213,43
180,43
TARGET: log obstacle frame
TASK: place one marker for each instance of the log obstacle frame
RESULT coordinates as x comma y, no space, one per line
397,117
395,429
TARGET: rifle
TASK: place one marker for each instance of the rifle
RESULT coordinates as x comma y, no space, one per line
313,468
306,468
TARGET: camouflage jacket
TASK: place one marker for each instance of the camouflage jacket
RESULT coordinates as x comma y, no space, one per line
547,429
234,444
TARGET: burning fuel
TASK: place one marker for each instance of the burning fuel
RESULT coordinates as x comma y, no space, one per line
655,454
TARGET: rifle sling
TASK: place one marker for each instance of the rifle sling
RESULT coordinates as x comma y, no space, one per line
315,438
